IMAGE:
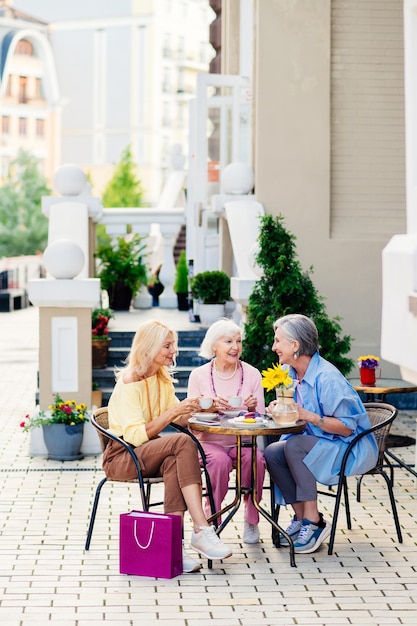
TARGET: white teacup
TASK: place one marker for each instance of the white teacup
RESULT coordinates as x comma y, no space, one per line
205,402
235,401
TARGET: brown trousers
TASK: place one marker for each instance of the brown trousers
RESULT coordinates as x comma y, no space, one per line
174,457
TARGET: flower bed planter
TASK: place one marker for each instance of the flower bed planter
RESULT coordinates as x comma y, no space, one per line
63,441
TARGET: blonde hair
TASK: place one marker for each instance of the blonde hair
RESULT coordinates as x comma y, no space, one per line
222,328
147,342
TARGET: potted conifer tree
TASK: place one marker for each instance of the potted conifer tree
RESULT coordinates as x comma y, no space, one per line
181,282
286,288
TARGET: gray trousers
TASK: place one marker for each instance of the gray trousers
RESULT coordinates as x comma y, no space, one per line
284,460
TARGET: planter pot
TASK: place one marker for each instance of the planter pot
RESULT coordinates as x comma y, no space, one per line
183,302
367,376
210,313
96,398
120,296
63,442
100,351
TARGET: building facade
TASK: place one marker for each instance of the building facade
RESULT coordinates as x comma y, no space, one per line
328,121
127,71
29,91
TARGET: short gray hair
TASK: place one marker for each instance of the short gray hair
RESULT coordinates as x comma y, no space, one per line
222,328
297,327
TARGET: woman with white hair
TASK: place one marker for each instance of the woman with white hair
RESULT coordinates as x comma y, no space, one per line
223,376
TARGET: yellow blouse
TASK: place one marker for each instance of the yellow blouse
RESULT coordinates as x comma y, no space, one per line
129,407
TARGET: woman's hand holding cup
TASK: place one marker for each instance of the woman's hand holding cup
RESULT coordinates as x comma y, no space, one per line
206,402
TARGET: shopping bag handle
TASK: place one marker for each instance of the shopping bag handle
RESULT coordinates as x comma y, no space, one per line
145,547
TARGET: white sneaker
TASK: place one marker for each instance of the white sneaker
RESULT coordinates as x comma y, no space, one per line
312,535
207,543
250,533
292,530
189,564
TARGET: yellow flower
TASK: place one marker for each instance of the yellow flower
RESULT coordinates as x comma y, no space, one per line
276,376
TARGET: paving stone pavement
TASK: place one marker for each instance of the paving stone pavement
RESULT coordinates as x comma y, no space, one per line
46,576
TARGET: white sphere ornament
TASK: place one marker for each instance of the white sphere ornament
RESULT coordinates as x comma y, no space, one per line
64,259
237,178
252,254
69,180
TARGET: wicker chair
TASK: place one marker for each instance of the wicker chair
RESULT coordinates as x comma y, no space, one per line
381,416
100,421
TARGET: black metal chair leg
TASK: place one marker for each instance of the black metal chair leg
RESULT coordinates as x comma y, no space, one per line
347,504
358,488
335,516
393,506
93,513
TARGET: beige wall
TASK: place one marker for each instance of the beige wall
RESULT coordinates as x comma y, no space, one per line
46,392
329,144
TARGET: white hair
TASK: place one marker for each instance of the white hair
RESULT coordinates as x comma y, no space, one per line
222,328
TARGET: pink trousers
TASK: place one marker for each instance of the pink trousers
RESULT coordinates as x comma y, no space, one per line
220,462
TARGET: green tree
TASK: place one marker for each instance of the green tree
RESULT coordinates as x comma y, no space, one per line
124,189
23,227
285,288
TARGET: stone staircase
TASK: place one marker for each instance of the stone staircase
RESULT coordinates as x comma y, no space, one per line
189,342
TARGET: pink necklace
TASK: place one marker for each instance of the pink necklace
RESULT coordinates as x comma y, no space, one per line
213,367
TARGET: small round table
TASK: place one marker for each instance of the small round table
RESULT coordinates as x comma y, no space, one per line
379,392
225,428
382,387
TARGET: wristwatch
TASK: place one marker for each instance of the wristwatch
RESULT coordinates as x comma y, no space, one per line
320,423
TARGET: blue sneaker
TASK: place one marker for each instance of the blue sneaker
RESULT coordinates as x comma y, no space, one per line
292,530
311,535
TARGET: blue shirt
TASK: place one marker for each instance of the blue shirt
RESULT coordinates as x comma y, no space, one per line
325,391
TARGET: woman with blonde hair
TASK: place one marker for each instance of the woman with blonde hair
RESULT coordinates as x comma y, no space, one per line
142,404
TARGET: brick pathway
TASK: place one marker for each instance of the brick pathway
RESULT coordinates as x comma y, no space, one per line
46,576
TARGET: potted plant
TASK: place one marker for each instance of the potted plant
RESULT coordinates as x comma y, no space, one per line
96,395
122,270
367,367
212,289
181,282
63,427
100,340
155,287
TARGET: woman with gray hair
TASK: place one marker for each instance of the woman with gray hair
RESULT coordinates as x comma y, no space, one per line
225,375
334,415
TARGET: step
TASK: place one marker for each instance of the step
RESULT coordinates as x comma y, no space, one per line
187,359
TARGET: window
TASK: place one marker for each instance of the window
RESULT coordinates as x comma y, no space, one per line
24,47
40,128
9,86
22,126
166,81
166,49
38,88
166,118
23,83
5,124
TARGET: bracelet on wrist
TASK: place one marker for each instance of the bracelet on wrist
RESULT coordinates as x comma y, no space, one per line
320,423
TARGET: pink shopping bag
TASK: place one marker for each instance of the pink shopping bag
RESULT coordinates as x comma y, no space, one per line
150,544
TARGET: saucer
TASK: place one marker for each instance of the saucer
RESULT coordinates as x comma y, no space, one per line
239,422
206,417
231,413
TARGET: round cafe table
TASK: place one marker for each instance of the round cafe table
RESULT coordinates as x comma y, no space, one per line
226,427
